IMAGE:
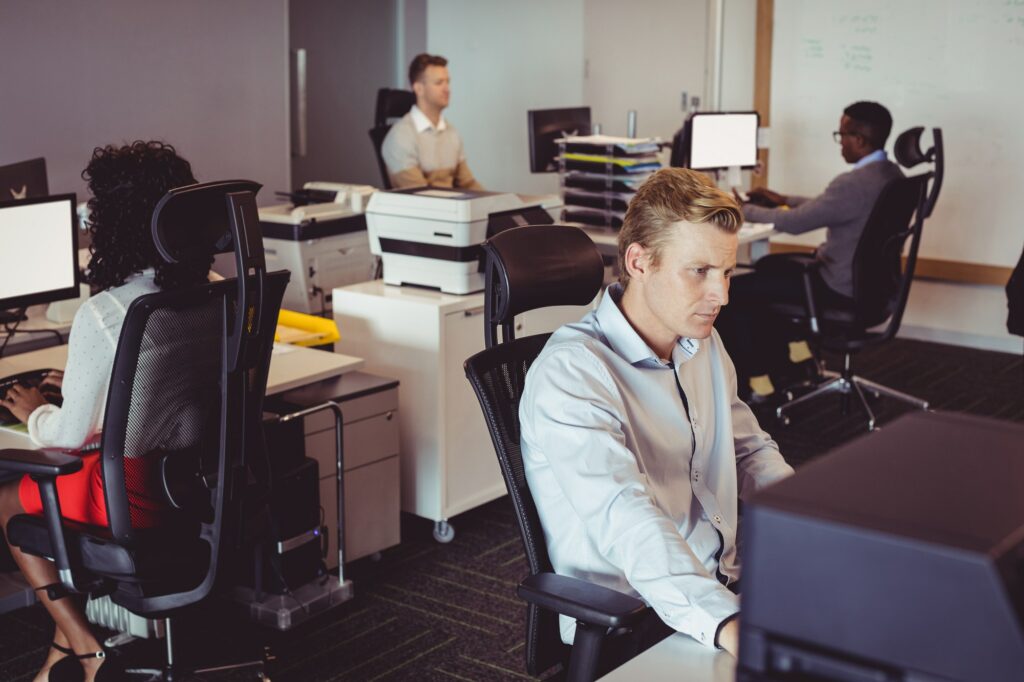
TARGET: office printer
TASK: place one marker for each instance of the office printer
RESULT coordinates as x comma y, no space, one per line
431,237
320,236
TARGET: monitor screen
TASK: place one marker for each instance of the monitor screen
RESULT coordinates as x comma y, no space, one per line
546,126
23,180
38,251
723,140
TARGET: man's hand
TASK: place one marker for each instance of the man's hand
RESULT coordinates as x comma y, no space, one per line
22,401
729,637
762,196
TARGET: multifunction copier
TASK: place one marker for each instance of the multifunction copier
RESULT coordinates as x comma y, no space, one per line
431,237
323,243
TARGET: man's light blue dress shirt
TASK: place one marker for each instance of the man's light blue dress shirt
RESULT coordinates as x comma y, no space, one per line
635,491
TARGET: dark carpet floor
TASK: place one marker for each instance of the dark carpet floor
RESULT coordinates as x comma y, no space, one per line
427,611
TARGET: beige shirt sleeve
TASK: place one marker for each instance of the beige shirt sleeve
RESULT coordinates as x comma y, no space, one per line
464,177
408,177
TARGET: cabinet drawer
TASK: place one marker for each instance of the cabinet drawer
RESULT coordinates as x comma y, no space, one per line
354,410
365,441
371,510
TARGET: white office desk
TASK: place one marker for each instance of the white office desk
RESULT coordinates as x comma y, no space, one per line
675,658
290,367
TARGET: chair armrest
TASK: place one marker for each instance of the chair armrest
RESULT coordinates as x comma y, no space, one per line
46,462
44,466
787,262
583,601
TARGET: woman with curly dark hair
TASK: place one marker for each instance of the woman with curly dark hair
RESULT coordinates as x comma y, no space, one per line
126,183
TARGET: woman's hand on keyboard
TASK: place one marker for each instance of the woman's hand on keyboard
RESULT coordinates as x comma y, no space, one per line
22,401
52,383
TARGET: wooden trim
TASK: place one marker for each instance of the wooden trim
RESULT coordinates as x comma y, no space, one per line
763,78
932,268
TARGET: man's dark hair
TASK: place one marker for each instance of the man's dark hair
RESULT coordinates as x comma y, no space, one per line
126,182
873,122
420,63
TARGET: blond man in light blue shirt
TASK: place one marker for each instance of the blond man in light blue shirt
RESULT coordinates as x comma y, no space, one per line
635,445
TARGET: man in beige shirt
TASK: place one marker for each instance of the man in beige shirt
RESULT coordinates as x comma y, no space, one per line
422,148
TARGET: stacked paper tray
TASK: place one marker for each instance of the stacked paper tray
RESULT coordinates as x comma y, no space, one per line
600,174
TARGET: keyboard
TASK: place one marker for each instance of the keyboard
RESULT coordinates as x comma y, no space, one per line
28,379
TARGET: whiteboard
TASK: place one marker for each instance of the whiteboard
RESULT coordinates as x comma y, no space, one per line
953,64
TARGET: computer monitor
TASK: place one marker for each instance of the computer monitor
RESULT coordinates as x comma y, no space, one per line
723,140
23,180
547,125
897,556
38,251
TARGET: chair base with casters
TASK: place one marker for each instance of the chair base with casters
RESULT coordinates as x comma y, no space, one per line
845,384
260,667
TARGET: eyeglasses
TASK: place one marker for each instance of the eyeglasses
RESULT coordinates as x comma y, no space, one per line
838,135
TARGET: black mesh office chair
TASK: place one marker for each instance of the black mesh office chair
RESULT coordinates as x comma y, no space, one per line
391,104
881,288
527,268
186,390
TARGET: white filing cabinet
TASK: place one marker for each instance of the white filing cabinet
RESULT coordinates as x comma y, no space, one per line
422,337
369,406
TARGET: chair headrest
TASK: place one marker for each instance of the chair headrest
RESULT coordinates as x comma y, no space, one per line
392,104
544,265
194,220
908,148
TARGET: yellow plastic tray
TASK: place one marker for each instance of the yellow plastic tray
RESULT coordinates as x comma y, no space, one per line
300,329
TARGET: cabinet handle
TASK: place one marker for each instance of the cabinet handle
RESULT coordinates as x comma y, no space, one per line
301,101
389,415
472,312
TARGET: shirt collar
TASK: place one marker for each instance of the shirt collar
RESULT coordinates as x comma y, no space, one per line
877,155
625,341
420,120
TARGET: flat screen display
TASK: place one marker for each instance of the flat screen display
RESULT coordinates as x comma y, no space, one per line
723,140
38,251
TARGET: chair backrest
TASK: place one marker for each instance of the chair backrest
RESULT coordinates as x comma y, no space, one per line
377,136
909,154
187,386
392,104
527,268
881,281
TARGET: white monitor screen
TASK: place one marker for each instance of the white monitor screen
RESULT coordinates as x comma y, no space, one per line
723,140
37,250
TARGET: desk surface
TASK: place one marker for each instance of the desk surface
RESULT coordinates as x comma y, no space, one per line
290,367
675,658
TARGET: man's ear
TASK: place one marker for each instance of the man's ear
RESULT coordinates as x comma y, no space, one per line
637,260
417,88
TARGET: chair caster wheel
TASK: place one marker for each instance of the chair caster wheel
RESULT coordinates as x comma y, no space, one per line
444,532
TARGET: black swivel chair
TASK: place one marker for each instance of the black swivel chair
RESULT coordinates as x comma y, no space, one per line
528,268
391,104
187,390
881,288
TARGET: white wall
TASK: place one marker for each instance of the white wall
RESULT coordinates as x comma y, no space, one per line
506,58
208,77
642,56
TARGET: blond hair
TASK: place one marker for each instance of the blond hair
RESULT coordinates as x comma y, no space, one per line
669,196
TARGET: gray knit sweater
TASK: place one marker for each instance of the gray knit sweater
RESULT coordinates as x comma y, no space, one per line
843,208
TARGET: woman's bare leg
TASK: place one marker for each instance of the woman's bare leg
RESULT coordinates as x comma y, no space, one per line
72,627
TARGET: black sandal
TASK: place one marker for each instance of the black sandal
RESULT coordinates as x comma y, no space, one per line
70,669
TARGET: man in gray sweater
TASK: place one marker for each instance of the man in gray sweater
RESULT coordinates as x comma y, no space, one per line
754,338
